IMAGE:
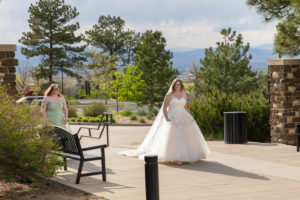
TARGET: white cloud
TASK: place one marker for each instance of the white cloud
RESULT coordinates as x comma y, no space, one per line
202,34
188,34
244,20
257,37
185,24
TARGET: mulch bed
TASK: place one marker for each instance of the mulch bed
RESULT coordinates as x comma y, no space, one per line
26,191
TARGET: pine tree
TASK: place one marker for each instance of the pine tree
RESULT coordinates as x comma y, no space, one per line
109,35
287,13
226,68
53,38
155,62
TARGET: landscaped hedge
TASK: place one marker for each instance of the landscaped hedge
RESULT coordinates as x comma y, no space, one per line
208,112
90,119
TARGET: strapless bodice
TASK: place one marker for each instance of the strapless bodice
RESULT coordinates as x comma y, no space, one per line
176,103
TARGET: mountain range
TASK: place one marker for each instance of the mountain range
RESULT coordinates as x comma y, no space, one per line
260,55
183,60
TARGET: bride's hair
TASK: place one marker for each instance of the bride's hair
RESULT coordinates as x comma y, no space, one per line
174,83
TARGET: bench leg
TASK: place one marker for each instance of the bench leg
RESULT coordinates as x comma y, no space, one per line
79,172
103,165
65,163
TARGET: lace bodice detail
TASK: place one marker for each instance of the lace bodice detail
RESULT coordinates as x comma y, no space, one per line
176,103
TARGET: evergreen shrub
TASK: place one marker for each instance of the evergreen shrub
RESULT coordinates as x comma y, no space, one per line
94,110
142,120
208,113
142,113
72,111
126,113
133,117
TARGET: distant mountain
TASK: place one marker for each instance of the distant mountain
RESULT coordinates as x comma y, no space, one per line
185,59
265,46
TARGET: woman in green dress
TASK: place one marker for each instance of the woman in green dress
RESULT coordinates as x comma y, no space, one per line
54,108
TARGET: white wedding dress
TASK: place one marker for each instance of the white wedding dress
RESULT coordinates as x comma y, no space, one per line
177,140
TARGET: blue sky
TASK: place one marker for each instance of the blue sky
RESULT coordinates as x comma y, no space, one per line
186,24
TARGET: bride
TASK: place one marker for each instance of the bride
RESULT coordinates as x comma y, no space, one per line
174,135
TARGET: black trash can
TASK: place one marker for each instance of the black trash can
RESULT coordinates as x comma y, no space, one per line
235,127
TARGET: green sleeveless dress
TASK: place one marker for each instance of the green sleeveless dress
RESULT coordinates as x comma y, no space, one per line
55,114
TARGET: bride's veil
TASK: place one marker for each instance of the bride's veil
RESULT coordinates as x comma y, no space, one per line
154,134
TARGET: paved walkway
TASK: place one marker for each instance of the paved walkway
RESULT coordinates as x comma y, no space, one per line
232,171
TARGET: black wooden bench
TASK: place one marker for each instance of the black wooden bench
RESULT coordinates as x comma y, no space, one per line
71,148
104,123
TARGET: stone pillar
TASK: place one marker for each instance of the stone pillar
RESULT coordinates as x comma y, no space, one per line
284,77
7,67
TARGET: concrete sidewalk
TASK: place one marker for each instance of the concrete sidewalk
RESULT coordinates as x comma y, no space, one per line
232,171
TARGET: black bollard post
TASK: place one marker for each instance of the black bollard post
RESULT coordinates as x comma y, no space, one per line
298,137
151,177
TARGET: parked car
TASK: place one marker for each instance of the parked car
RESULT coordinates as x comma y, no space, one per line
31,100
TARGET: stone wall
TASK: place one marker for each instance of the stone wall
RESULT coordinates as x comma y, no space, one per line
7,67
284,77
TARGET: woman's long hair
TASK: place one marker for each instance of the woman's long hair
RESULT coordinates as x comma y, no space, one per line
50,89
174,84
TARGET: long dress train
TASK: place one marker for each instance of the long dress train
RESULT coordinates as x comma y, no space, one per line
178,140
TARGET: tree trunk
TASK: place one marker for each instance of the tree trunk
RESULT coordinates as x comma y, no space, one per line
105,89
117,105
62,81
50,60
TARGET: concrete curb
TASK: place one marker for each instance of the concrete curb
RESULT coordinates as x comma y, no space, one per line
52,181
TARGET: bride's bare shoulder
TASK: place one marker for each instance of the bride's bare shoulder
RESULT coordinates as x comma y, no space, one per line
185,94
168,96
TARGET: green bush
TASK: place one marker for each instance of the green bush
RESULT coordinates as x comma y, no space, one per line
126,113
72,111
85,119
98,119
94,110
72,119
208,112
93,120
24,148
73,101
153,112
79,119
149,117
142,113
133,117
94,94
142,120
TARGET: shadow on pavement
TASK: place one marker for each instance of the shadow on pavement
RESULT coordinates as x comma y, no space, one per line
217,168
93,183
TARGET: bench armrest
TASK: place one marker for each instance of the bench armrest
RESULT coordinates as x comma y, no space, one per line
94,147
85,128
